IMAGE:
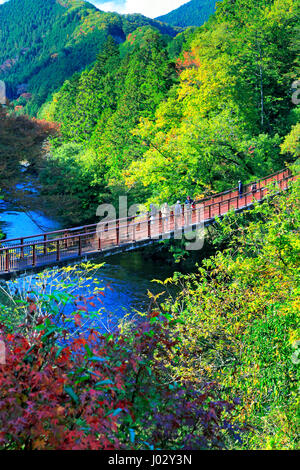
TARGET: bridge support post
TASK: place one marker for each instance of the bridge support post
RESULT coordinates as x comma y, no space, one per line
45,245
33,255
7,261
79,246
149,225
22,248
57,251
118,232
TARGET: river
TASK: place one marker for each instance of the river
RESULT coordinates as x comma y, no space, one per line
128,275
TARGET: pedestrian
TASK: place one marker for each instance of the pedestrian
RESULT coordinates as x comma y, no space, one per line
153,212
254,187
188,204
189,201
165,212
240,189
177,214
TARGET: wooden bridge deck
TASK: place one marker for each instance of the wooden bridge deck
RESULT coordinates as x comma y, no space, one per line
48,249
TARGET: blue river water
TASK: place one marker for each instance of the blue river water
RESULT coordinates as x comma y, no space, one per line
126,279
15,220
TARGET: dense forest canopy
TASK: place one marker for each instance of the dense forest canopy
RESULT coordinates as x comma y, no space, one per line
193,13
44,42
158,119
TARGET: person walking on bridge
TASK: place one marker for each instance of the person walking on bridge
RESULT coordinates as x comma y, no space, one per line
153,212
177,215
240,189
165,212
189,203
254,187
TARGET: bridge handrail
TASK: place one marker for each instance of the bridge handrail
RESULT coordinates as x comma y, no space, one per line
116,224
84,227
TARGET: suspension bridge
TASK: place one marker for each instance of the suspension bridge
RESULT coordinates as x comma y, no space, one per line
38,251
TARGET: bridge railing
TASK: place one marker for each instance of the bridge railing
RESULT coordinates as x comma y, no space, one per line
55,246
63,233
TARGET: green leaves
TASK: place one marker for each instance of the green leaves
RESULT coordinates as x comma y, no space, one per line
97,359
104,382
239,318
69,390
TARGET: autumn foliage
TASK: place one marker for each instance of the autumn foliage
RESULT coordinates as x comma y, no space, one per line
21,138
103,392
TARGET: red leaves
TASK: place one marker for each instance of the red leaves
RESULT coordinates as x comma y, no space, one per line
32,308
80,396
189,61
82,308
78,343
251,149
77,319
154,314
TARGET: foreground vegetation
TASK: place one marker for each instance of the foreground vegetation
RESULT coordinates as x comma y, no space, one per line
240,318
215,367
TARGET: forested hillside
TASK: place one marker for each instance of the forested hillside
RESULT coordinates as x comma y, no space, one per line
97,112
44,42
193,13
211,361
156,127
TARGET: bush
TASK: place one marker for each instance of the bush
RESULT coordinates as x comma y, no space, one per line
104,392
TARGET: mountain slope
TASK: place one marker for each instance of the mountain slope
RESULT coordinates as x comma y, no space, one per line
193,13
45,42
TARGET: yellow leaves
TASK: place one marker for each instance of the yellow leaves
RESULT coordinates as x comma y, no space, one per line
280,12
169,280
291,143
294,337
68,269
60,410
39,444
154,297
